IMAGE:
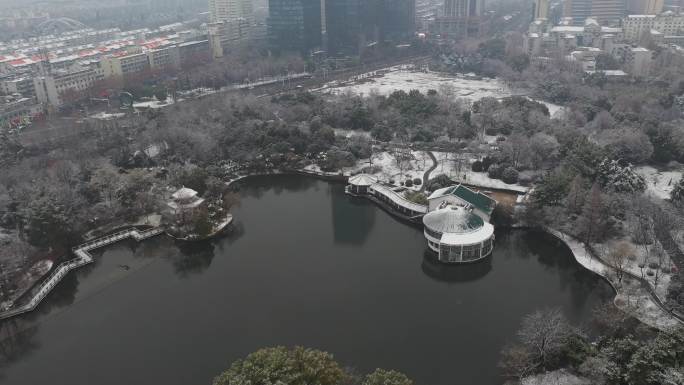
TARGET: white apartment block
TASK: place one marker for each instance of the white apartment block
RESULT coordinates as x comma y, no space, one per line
225,34
118,66
229,10
51,88
667,23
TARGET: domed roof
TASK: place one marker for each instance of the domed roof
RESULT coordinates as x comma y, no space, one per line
363,180
452,219
184,193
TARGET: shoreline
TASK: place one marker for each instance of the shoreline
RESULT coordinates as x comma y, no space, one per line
647,312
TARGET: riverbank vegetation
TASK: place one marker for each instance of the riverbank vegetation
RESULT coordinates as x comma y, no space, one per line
621,351
301,366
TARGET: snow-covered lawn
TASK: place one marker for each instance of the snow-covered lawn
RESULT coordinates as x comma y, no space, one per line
660,183
406,80
642,256
154,103
460,171
389,169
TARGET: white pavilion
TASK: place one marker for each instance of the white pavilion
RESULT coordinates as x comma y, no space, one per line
457,234
185,201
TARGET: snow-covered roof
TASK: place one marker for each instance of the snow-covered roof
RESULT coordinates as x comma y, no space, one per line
184,193
609,72
363,180
475,198
453,219
567,28
398,199
458,226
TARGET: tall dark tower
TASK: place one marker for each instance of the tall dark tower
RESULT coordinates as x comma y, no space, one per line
294,25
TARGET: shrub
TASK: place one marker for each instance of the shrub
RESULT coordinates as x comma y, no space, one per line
653,265
650,273
476,166
509,175
416,197
486,162
438,182
495,171
417,181
408,183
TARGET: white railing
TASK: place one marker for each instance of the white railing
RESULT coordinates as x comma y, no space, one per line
83,257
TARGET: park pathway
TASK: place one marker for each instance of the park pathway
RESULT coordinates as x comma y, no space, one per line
426,175
83,257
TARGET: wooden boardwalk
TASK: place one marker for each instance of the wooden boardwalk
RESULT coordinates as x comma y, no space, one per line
83,257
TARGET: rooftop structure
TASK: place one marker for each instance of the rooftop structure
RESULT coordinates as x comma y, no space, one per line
482,204
185,199
456,234
360,183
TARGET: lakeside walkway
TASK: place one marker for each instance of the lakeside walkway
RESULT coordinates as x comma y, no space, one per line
83,257
636,298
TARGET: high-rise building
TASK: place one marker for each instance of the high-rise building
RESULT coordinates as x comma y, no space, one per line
541,9
460,18
343,26
397,20
603,11
230,24
229,10
294,25
352,25
644,7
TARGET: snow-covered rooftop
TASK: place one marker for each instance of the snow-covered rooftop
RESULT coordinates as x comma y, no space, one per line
363,180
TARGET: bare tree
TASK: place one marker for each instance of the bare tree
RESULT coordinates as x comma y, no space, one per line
542,336
617,258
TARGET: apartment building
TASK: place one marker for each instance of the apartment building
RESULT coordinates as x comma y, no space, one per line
667,23
125,64
59,87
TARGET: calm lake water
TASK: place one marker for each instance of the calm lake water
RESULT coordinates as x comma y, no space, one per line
304,265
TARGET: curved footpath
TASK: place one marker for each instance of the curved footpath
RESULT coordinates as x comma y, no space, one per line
82,258
638,300
426,175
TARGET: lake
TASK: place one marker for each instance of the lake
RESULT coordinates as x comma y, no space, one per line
304,265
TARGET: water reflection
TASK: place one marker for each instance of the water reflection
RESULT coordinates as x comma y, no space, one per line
352,218
260,184
454,273
16,342
193,258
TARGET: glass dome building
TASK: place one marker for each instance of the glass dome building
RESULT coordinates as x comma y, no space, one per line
457,234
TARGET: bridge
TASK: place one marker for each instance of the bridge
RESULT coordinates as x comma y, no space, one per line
83,257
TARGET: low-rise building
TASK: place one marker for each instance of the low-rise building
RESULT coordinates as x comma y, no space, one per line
60,87
125,64
16,111
639,61
22,85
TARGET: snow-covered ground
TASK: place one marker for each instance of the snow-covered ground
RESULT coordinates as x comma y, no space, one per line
154,103
347,133
631,297
402,78
105,116
659,183
644,256
557,377
460,170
